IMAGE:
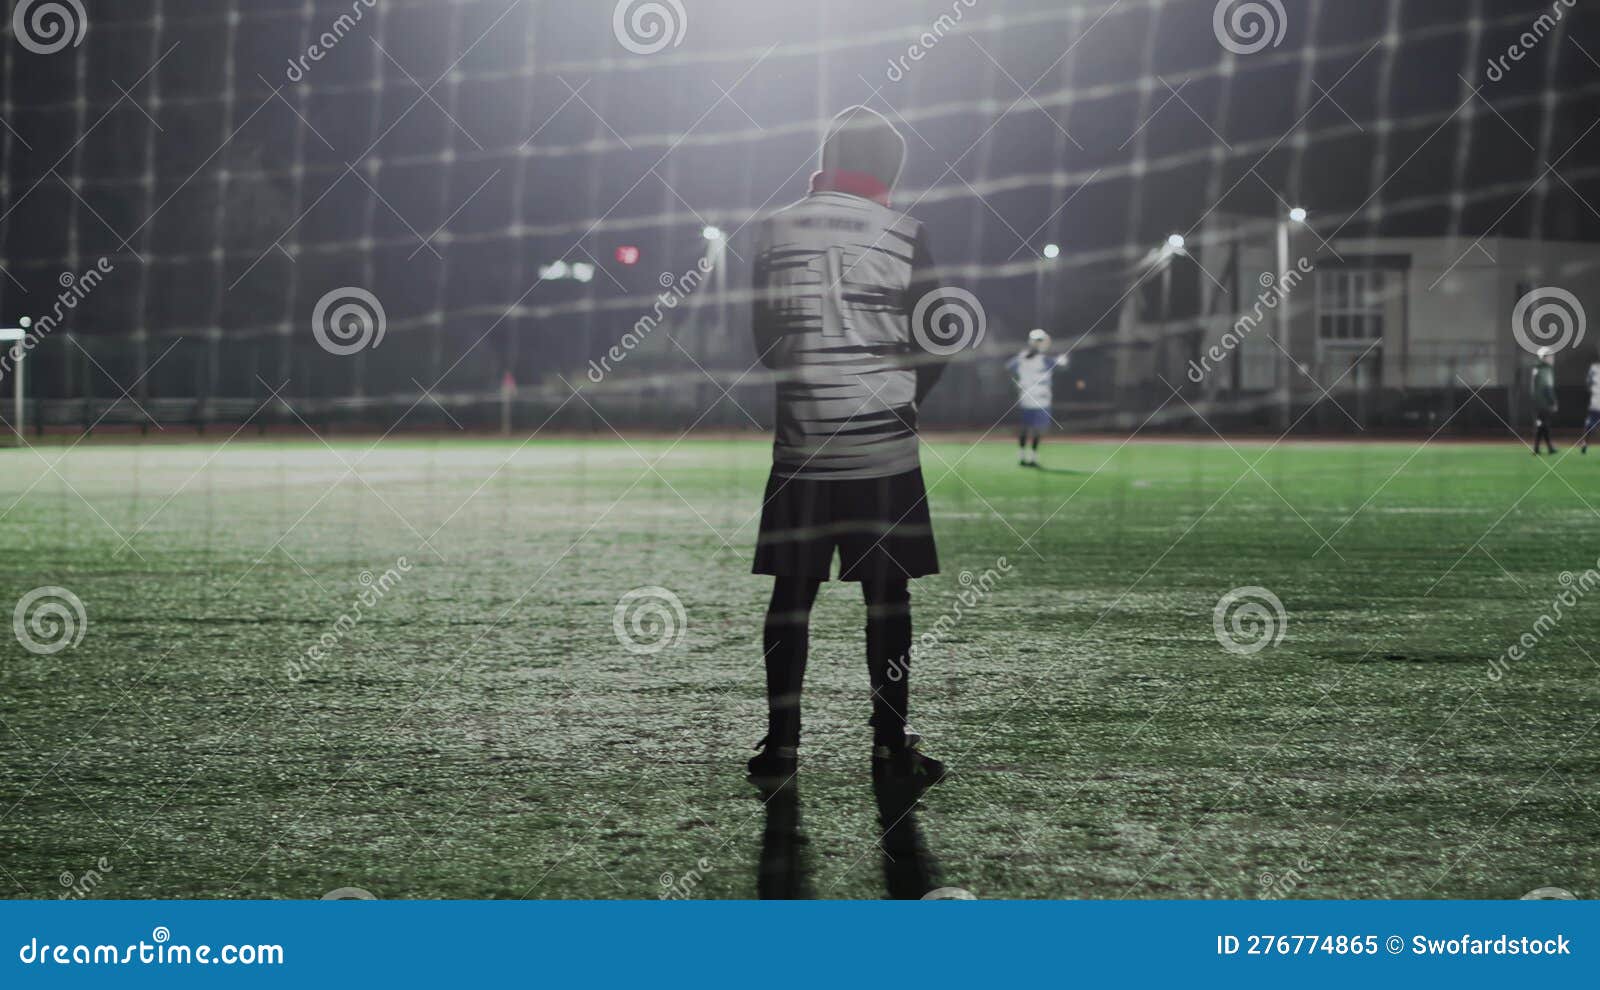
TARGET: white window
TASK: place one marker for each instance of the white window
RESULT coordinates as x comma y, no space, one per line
1350,304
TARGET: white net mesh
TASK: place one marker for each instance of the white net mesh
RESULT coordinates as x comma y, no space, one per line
241,166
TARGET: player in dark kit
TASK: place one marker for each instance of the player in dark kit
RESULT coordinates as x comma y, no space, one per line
1543,393
838,276
1593,419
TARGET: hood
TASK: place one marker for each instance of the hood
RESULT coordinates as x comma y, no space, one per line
862,142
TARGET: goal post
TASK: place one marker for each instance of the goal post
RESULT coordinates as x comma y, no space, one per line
13,359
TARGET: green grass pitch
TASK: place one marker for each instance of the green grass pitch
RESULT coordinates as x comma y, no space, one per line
480,732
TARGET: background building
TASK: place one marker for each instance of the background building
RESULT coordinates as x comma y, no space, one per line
1352,333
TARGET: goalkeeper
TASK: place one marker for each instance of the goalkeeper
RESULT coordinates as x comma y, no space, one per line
837,278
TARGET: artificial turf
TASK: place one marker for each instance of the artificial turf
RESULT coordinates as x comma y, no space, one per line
479,731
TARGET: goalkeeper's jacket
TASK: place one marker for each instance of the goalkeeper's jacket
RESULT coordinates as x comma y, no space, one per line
838,277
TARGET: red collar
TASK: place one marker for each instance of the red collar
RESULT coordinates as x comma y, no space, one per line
850,183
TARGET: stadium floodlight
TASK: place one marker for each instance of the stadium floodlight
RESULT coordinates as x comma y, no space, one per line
1299,214
712,233
15,336
560,271
1052,251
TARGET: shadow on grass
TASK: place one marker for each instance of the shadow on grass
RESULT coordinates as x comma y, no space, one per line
784,870
1048,470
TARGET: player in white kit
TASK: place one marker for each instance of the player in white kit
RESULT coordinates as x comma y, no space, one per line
1033,370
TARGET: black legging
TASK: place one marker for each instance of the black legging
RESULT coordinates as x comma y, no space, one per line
786,641
1541,432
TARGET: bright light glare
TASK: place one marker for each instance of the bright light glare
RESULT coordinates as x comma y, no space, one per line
1298,214
1052,250
712,233
557,271
1176,242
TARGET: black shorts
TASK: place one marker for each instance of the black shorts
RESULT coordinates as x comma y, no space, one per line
879,526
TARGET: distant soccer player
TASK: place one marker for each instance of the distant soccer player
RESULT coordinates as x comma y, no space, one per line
1033,370
1545,406
837,278
1594,404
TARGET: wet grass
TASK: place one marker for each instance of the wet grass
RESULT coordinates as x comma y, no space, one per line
478,730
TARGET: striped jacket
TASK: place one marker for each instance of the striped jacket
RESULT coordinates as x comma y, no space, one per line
837,278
